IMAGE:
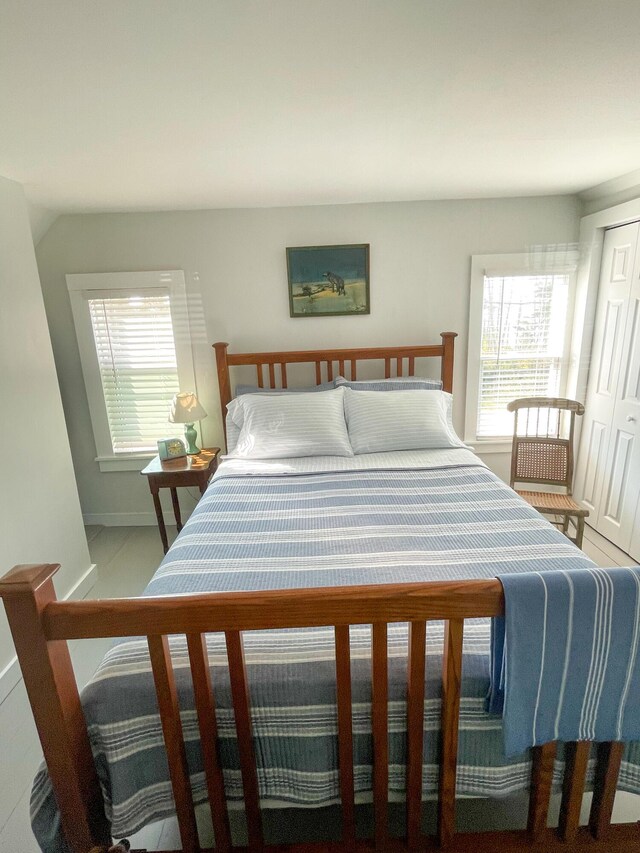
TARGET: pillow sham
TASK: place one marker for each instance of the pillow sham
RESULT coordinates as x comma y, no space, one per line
288,425
398,383
233,434
406,420
233,431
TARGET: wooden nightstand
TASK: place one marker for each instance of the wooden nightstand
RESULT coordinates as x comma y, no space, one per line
170,474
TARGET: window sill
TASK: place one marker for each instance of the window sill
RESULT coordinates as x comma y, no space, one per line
494,445
124,462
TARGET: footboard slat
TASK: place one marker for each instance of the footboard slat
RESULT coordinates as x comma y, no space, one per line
173,740
415,730
540,793
380,732
345,732
451,683
207,724
575,772
604,787
240,697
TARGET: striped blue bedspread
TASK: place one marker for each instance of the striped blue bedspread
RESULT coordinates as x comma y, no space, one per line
380,518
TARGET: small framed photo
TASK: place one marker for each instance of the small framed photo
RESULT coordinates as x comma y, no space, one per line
326,281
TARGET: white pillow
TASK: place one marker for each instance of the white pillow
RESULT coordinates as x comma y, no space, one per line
233,430
280,427
404,420
233,434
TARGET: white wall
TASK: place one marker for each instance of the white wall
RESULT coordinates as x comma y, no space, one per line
40,518
234,262
41,219
610,193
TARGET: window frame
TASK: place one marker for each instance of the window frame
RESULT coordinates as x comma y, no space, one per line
79,286
537,261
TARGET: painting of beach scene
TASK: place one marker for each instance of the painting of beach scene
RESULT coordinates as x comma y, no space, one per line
328,280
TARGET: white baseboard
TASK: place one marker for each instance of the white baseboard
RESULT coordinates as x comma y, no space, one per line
133,519
83,585
122,519
11,675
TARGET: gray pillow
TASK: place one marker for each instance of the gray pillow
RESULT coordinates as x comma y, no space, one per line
398,383
253,389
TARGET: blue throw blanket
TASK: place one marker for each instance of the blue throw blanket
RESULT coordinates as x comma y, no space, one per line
566,657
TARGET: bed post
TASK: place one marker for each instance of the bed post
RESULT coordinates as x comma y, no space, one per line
446,374
223,381
51,686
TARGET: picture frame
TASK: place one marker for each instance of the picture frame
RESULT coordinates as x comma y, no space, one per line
328,281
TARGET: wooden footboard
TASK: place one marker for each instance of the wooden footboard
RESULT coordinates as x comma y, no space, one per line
41,626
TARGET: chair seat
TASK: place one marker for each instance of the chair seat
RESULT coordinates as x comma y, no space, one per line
554,503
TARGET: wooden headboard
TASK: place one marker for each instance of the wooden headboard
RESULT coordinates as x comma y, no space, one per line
329,357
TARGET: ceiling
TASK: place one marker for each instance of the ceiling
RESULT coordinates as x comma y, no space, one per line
169,104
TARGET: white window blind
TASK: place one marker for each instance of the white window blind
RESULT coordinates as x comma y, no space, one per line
136,353
522,345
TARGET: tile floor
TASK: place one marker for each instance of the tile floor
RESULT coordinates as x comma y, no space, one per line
127,558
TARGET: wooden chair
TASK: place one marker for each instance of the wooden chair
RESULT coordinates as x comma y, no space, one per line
542,452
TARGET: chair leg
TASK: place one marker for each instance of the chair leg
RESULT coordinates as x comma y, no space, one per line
579,531
565,524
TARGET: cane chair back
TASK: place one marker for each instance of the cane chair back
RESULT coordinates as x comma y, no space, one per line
542,452
543,432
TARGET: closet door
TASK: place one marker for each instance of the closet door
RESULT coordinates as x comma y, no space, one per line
634,546
621,487
616,273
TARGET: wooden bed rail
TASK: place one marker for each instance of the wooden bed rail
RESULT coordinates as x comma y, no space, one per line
41,626
253,611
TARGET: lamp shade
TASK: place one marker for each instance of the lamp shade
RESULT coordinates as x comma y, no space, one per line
185,409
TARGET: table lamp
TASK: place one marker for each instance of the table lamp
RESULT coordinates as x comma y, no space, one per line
185,409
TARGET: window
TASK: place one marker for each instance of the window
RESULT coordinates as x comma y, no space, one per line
137,361
136,354
518,337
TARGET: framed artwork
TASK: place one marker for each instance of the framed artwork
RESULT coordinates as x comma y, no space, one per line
326,281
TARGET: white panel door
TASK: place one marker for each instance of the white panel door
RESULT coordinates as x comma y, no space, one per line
621,487
634,545
596,445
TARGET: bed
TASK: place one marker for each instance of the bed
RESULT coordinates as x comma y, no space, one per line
278,655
